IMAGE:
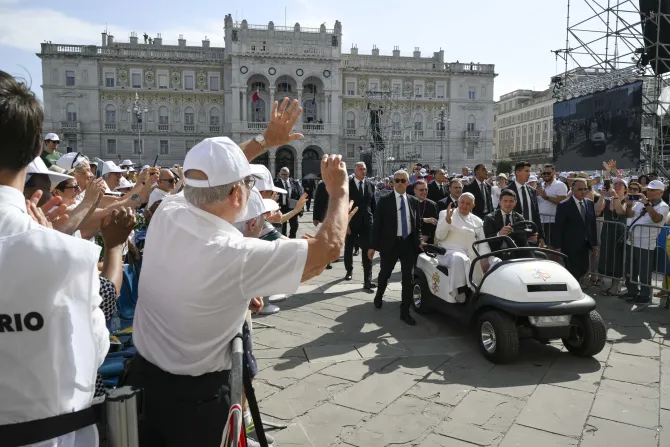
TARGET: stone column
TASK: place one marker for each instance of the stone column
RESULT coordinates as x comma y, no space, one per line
298,165
269,110
271,162
236,104
298,125
245,116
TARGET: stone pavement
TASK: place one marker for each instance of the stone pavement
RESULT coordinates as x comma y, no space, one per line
341,373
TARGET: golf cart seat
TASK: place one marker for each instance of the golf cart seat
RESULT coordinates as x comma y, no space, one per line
443,269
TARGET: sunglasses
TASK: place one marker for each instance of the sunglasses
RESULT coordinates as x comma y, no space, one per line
547,173
71,187
169,180
582,189
400,180
420,190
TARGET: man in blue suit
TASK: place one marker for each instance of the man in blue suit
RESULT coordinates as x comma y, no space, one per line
575,231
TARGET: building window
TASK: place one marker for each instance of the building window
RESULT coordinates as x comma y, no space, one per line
544,126
351,124
164,147
471,123
284,87
188,145
472,93
111,147
418,149
396,87
163,119
69,77
258,86
163,80
189,120
440,91
214,82
188,82
418,90
470,151
71,112
351,88
350,151
110,80
214,121
136,79
537,128
373,85
110,117
138,146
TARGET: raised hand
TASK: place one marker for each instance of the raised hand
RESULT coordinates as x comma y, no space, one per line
450,213
117,226
94,191
282,119
334,174
301,202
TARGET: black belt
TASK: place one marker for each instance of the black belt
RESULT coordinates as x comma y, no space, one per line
31,432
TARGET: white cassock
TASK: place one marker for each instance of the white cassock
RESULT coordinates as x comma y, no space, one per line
458,238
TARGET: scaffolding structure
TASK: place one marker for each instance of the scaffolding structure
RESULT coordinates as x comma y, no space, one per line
617,42
392,130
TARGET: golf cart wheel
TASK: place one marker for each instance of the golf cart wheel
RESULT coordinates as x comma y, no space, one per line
419,291
588,335
497,336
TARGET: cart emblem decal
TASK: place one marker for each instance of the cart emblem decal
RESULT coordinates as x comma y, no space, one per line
436,282
539,274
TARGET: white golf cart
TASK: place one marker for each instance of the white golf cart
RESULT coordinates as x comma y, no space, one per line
516,298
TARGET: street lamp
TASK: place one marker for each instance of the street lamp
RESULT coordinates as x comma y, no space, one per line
137,110
442,116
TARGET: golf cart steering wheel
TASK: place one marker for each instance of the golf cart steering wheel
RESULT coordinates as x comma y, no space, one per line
522,228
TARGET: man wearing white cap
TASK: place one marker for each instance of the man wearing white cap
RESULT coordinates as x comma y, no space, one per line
112,174
199,274
126,164
53,330
50,153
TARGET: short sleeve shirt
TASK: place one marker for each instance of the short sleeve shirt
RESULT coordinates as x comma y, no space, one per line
50,159
645,236
198,275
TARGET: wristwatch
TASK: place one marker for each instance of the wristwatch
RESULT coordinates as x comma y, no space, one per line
136,197
260,139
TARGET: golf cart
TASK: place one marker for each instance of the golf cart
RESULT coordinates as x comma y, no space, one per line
598,141
516,298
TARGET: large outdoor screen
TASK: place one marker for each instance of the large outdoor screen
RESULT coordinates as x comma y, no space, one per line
598,127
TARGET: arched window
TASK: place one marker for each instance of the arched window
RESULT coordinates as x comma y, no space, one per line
418,124
258,111
472,122
214,120
284,87
351,120
71,111
309,89
309,110
395,124
258,86
189,120
110,114
163,117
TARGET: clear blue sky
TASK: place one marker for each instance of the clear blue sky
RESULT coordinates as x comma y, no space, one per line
515,35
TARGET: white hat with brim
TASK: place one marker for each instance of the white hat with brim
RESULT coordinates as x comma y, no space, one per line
109,167
532,178
620,180
51,137
125,163
656,185
37,166
257,206
124,184
220,159
265,182
71,160
502,176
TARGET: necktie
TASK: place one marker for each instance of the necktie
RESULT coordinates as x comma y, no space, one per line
524,200
507,222
360,188
287,192
486,202
403,218
582,210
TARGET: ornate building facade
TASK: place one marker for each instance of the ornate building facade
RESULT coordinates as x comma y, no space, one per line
142,99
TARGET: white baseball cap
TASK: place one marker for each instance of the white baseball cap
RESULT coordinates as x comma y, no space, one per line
125,163
109,167
532,178
52,137
37,166
123,184
264,181
71,160
220,159
257,205
656,185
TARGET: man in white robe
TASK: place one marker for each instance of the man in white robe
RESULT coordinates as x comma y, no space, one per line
457,229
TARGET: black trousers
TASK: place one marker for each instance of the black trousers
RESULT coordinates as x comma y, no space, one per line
180,410
405,251
359,237
292,223
643,260
579,260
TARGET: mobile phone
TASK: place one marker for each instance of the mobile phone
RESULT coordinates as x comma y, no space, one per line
634,197
606,185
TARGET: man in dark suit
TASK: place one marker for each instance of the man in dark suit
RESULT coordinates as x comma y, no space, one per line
455,191
438,189
576,233
499,223
526,203
428,212
396,235
480,188
288,201
362,192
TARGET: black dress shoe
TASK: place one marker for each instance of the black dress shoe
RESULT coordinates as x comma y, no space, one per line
407,318
378,302
328,267
355,252
370,286
348,276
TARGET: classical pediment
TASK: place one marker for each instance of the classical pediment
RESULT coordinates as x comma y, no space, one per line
472,107
70,94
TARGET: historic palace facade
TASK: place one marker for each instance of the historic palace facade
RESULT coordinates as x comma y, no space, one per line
143,99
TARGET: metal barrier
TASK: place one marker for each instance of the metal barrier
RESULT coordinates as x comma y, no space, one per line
647,268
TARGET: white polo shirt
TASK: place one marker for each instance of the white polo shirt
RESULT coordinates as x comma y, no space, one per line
198,276
645,237
548,208
49,358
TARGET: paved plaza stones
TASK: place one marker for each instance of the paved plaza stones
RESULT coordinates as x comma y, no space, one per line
341,373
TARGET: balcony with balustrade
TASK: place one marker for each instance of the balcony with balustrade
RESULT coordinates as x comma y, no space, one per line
137,127
189,128
215,129
472,134
69,125
110,126
163,128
